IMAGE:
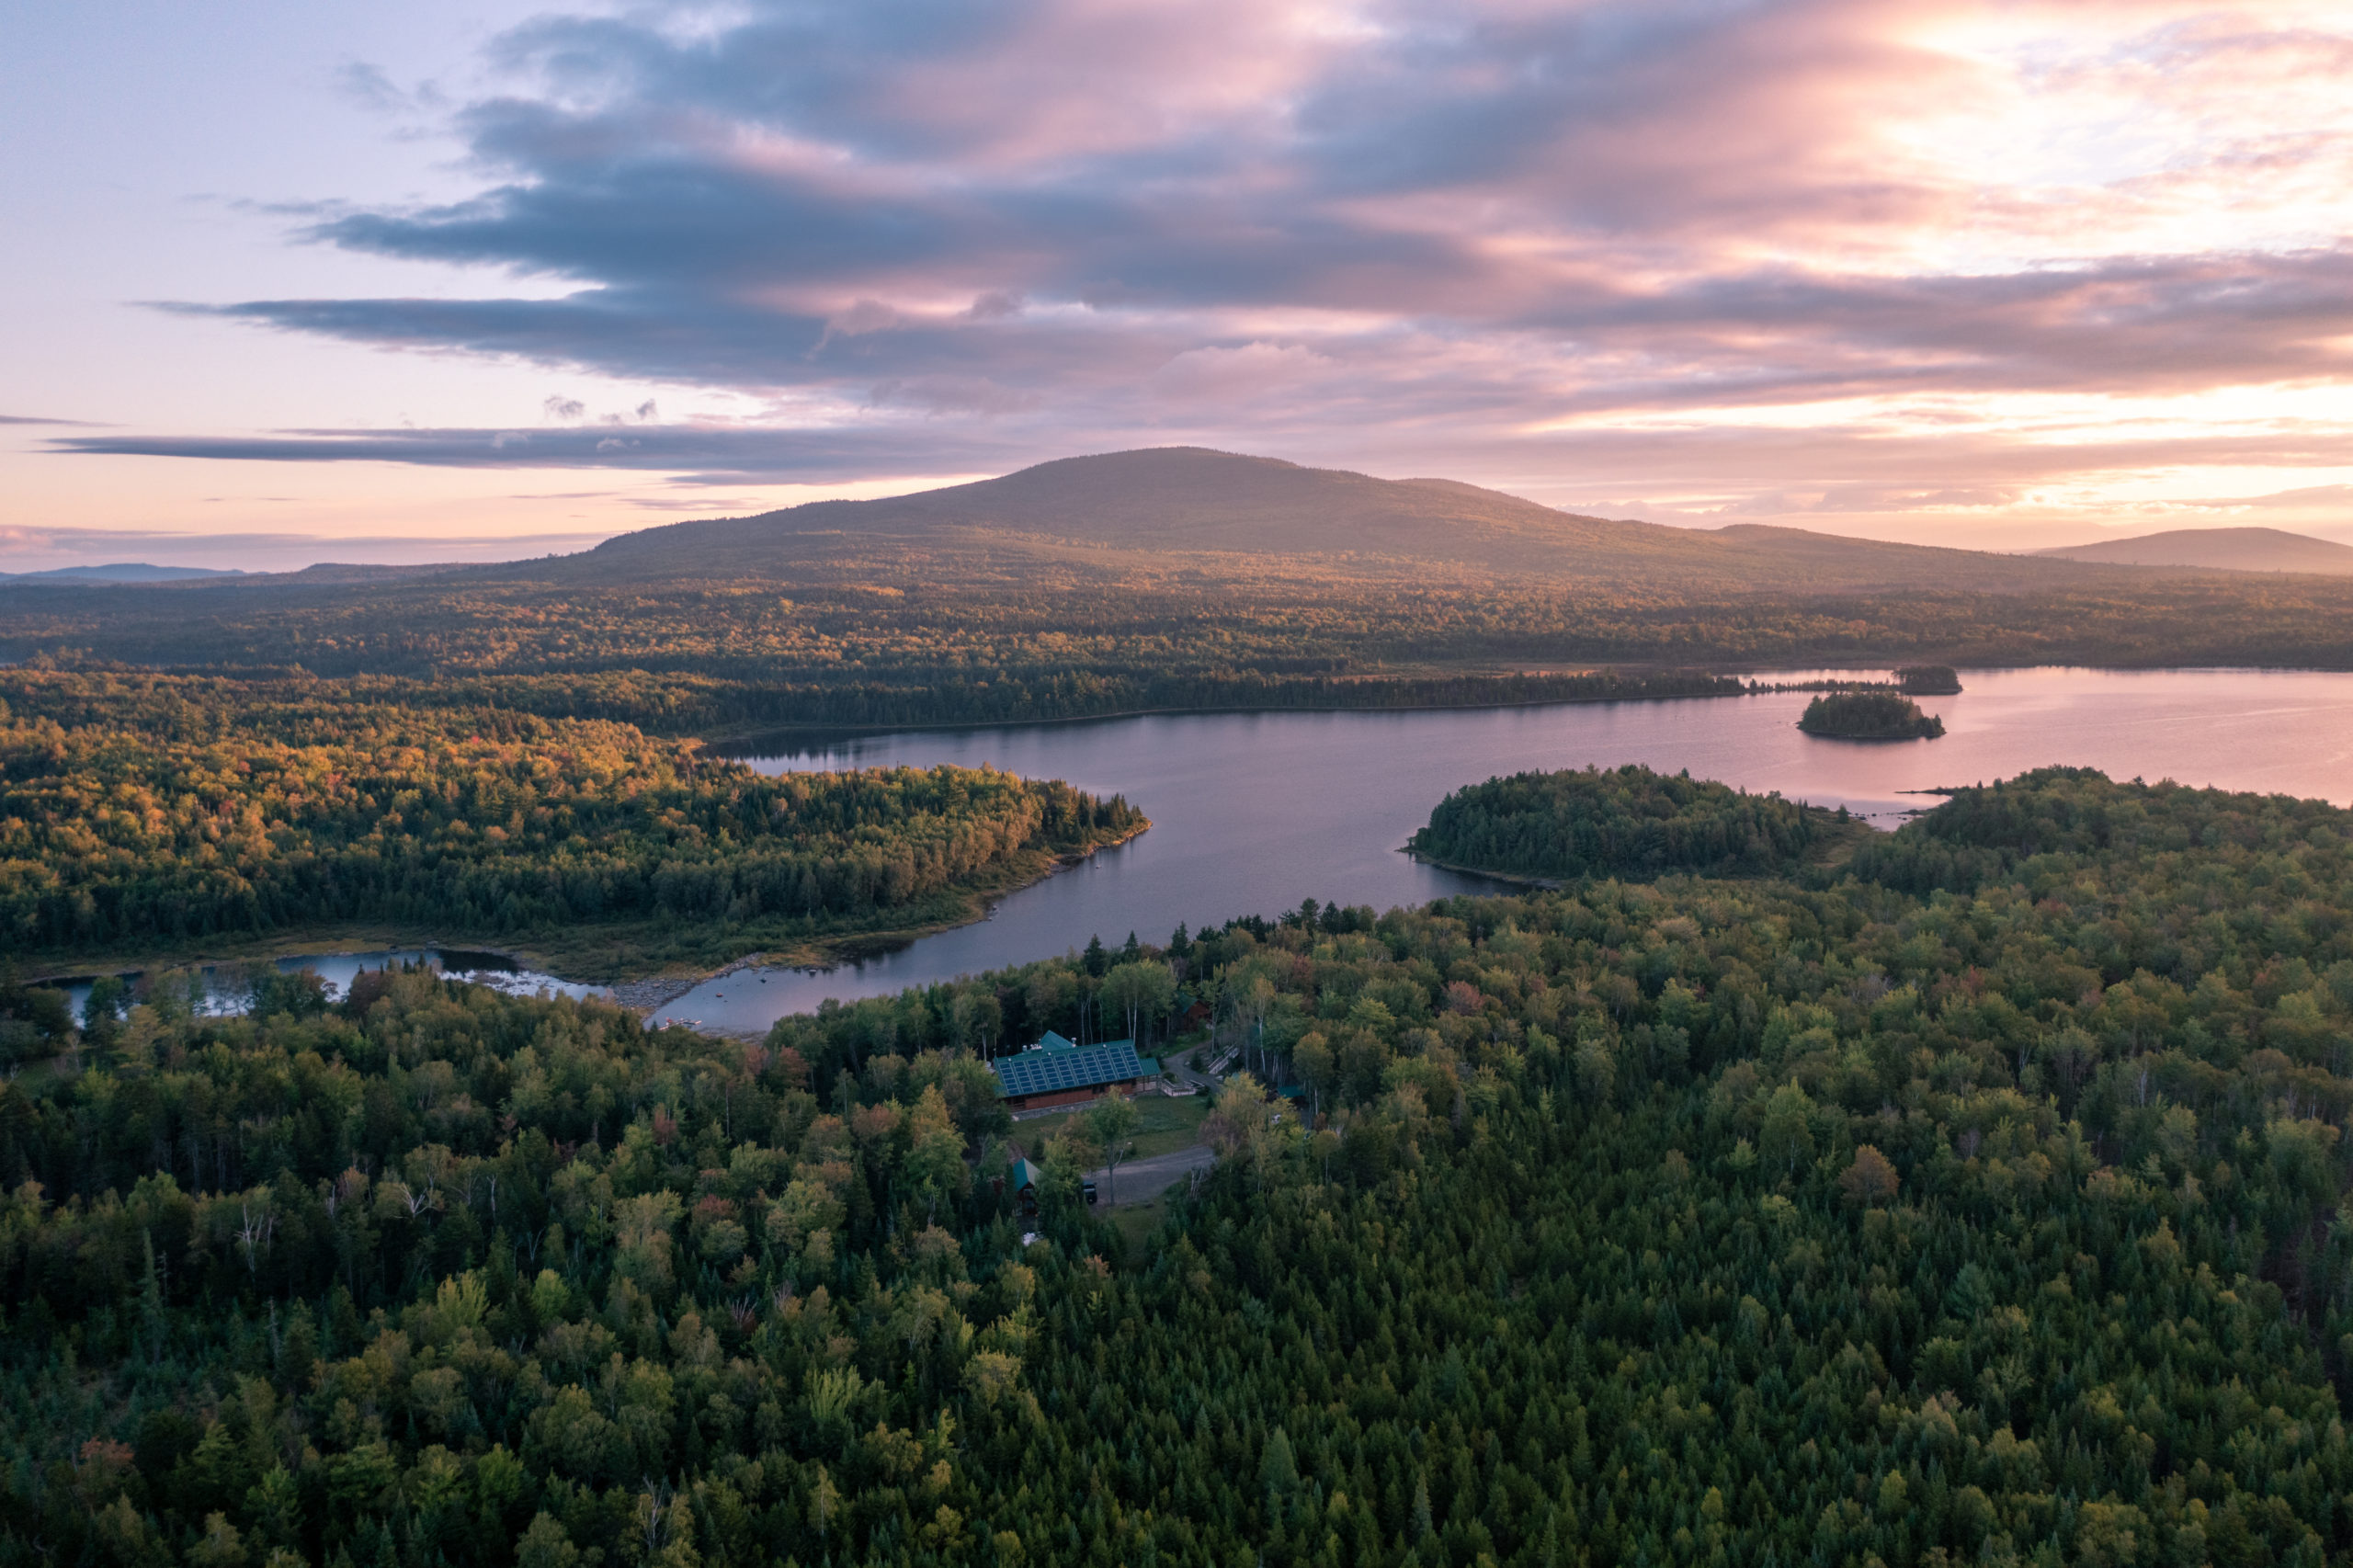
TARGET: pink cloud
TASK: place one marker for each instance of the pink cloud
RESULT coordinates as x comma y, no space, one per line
1834,239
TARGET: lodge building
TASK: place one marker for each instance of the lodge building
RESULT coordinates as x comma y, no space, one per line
1060,1071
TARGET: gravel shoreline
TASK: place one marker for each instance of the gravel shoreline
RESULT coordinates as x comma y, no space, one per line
645,995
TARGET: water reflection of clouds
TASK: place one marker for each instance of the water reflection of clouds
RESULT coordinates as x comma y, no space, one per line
226,988
1253,812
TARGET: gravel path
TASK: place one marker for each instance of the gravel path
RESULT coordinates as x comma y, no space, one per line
1141,1181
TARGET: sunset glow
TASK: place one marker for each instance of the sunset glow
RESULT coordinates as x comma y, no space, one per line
1996,275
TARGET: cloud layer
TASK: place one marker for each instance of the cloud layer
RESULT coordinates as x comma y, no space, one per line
1787,258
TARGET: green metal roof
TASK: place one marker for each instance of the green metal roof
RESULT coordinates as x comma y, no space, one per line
1044,1071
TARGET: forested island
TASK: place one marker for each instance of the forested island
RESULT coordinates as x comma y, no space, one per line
1927,680
1970,1203
1624,822
1868,716
143,816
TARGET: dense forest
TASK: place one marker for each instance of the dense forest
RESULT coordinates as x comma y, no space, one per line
1978,1202
1868,716
901,644
142,814
1626,821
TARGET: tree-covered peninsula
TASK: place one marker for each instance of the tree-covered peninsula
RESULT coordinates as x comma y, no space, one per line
1868,716
146,815
1625,821
1707,1222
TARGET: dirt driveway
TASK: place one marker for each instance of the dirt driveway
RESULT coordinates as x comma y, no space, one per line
1142,1180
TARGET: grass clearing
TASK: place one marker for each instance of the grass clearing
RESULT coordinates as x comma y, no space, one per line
1163,1125
1136,1222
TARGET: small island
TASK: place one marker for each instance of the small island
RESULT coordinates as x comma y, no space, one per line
1868,716
1628,823
1927,680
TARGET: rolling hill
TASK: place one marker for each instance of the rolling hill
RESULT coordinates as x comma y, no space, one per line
126,572
2224,549
1225,514
1172,579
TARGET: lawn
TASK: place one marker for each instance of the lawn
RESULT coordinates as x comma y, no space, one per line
1136,1221
1163,1125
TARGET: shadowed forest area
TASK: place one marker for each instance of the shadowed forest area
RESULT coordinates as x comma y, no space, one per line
1975,1202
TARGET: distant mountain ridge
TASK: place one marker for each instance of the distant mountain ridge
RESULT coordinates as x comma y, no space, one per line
1177,512
2222,549
1227,512
120,571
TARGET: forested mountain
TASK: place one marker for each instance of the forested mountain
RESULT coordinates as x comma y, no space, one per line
2229,549
1166,580
1704,1221
1126,508
142,814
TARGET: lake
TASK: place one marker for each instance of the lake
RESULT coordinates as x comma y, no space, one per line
1253,812
227,988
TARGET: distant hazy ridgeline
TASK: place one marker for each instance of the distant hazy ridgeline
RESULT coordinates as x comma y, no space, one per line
1163,580
1227,514
2218,549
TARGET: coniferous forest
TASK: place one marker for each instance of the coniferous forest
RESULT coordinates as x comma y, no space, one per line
1625,821
885,641
1973,1201
1868,716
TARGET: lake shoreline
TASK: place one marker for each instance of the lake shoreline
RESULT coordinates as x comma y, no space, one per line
1837,846
1517,879
732,742
1254,811
641,993
736,739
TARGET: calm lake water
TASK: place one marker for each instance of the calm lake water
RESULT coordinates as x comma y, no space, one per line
1253,813
227,986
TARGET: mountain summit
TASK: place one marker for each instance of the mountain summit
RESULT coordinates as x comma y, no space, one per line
1223,513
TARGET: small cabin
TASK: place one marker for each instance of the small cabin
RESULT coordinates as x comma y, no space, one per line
1056,1072
1025,1177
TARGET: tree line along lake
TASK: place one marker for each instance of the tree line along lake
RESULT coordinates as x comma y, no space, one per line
1253,812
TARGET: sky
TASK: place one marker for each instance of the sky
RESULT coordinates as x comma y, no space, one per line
289,282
